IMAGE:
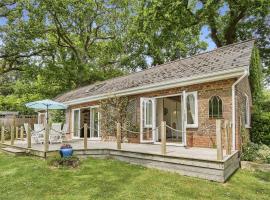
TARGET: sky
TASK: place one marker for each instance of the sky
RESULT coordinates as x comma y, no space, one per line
204,36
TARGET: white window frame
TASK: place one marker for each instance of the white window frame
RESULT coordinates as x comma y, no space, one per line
73,119
145,125
247,123
195,124
142,123
222,110
98,129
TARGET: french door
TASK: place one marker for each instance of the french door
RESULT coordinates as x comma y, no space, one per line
76,125
152,112
94,123
148,120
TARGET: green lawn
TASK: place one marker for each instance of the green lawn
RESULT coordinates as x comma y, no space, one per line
31,178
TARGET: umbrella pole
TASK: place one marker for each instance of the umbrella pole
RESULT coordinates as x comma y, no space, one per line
46,138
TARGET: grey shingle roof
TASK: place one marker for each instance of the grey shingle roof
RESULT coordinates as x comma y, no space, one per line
224,58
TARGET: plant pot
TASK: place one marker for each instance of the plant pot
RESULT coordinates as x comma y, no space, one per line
66,152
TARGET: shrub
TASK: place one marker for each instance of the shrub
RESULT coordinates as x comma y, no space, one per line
256,152
260,132
263,154
250,151
72,161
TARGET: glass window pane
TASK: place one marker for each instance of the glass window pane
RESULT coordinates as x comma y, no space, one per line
215,107
148,113
76,123
190,109
94,122
220,108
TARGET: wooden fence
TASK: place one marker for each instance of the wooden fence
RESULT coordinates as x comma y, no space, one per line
17,120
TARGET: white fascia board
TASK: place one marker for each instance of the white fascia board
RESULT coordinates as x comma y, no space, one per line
222,75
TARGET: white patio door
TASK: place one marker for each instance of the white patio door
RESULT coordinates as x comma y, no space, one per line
94,123
76,123
147,119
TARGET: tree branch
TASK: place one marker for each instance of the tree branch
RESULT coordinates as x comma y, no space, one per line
235,17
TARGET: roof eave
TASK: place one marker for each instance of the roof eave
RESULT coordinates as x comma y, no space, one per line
210,77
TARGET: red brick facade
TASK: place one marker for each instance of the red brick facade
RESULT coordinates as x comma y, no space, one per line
199,137
242,91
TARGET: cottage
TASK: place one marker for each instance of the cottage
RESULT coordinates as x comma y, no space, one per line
188,94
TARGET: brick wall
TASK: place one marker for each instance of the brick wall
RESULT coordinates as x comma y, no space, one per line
242,89
199,137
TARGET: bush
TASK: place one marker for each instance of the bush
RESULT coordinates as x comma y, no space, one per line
264,154
256,152
72,161
260,132
250,151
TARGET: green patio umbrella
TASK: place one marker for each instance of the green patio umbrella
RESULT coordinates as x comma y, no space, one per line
47,105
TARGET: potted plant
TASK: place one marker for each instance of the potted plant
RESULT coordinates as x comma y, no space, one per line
66,150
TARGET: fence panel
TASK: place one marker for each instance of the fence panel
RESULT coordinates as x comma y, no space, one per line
19,120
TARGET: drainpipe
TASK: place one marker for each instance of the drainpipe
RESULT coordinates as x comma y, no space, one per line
233,108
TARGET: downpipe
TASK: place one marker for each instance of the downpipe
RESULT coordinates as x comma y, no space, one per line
233,109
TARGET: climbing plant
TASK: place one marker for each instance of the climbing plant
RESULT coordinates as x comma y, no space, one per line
113,110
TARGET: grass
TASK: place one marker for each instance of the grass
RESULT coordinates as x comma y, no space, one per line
31,178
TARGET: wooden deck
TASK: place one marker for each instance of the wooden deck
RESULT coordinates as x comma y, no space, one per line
196,162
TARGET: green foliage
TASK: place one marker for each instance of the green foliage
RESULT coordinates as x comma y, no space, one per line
264,154
256,76
255,152
47,50
260,132
163,31
113,110
71,161
58,116
250,152
265,102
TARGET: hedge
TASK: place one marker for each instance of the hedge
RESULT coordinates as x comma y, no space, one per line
260,132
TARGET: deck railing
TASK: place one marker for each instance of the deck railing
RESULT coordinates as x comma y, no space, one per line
223,136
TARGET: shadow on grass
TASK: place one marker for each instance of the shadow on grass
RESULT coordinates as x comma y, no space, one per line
263,176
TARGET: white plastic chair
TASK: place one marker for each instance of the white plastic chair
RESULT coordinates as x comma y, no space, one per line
64,131
55,133
37,135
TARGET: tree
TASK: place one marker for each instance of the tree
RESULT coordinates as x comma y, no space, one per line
57,48
231,21
52,49
256,77
163,31
87,33
170,28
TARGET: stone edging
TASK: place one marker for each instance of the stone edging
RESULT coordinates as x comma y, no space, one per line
255,166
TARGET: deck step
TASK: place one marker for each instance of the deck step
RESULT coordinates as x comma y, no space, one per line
13,151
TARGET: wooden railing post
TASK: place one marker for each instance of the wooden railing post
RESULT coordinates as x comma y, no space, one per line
219,140
85,128
46,138
21,133
118,135
12,135
3,135
28,136
226,135
163,137
16,133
